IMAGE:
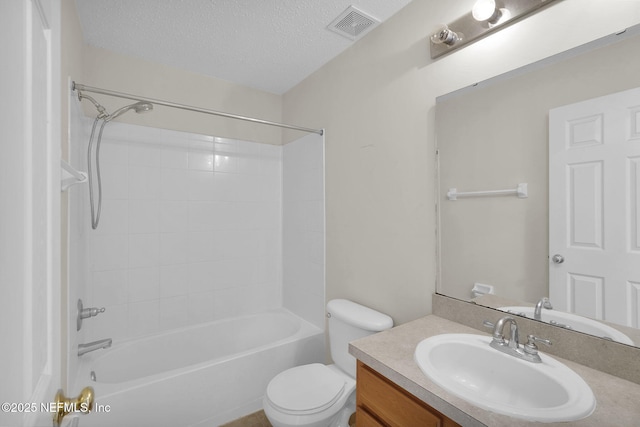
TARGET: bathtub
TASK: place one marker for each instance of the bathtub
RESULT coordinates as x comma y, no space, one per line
204,375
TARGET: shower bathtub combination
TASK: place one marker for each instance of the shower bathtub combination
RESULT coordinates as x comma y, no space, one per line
208,291
203,375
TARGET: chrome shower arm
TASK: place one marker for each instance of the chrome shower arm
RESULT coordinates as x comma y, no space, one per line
102,112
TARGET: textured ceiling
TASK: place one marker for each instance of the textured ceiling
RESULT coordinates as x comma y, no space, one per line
266,44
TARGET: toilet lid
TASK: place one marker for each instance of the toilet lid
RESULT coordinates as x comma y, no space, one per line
305,389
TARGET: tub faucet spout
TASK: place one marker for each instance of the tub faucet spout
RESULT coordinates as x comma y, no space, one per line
92,346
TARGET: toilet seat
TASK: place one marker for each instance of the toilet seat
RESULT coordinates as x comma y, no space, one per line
305,390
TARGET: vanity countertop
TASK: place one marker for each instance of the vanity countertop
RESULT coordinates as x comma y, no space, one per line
391,354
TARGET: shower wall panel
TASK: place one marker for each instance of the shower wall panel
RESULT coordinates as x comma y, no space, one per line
304,228
78,230
190,231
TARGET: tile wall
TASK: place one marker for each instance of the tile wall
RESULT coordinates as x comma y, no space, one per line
190,231
193,228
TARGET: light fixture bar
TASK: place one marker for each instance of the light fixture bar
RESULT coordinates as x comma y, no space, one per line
467,29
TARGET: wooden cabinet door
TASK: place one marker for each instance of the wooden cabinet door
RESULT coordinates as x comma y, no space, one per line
380,402
365,419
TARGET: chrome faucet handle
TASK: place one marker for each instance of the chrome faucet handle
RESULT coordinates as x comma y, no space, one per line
532,339
85,313
531,348
560,325
91,312
488,324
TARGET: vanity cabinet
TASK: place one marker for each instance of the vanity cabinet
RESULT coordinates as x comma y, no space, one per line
382,403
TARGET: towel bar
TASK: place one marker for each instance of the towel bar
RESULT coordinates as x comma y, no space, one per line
521,191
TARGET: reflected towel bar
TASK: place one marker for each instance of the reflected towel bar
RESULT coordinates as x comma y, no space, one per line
521,191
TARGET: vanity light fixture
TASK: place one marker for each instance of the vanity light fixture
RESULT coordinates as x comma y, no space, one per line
485,17
445,35
487,11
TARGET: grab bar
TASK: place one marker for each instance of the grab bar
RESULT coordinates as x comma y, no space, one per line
76,177
521,191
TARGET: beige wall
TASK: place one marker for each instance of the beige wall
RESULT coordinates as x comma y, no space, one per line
109,70
503,241
72,49
376,102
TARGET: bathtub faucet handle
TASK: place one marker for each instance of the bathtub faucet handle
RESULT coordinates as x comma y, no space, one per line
91,312
85,313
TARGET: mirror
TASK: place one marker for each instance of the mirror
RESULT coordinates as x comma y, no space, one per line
493,136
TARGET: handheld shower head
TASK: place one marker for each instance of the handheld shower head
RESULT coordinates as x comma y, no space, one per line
143,107
138,107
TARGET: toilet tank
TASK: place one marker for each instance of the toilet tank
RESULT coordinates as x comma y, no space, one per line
349,321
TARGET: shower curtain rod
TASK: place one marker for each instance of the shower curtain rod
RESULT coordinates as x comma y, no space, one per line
83,88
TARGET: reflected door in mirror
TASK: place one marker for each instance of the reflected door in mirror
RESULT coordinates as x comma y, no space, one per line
594,207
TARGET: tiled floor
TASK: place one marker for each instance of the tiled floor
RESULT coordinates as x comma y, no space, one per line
257,419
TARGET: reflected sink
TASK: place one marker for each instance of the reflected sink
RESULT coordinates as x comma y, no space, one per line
466,366
574,321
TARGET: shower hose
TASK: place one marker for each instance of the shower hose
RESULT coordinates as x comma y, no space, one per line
95,212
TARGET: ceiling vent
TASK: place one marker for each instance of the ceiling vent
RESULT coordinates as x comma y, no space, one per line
353,23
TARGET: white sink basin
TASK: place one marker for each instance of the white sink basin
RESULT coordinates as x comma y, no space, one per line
465,365
576,323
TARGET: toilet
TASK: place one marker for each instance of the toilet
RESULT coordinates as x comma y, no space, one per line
318,395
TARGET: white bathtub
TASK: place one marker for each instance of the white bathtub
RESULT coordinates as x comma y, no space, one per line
203,375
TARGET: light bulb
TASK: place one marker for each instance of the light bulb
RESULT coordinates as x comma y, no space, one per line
483,10
444,35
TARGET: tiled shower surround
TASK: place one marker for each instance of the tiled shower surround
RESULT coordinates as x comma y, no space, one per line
191,230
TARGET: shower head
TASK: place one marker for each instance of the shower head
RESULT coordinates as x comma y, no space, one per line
142,107
138,107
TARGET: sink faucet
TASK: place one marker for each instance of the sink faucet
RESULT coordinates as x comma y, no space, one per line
498,336
92,346
528,352
543,303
